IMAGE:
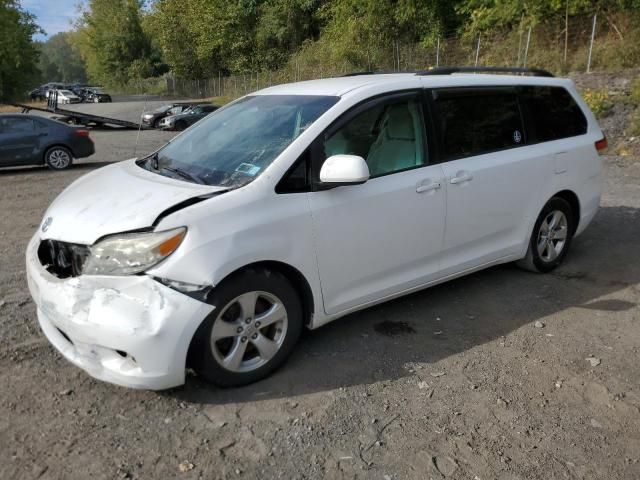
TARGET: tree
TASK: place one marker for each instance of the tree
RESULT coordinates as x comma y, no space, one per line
111,41
282,27
198,38
18,51
366,33
60,61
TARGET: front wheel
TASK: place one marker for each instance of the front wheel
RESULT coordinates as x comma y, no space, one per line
58,158
181,125
551,237
256,323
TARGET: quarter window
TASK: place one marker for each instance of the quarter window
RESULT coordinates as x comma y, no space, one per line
476,122
388,136
554,113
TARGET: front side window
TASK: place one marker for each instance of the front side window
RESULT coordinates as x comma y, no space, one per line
474,122
234,144
388,136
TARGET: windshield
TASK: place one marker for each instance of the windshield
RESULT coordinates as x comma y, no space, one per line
233,145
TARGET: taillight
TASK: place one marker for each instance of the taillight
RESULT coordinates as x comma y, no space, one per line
601,144
81,132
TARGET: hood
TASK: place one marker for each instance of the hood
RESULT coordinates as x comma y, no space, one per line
113,199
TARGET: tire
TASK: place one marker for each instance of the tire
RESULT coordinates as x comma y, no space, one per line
224,352
546,252
181,125
58,158
96,100
156,123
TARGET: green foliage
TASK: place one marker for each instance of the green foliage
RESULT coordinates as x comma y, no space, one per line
60,61
598,101
122,42
111,41
633,128
282,26
485,15
199,37
635,91
18,52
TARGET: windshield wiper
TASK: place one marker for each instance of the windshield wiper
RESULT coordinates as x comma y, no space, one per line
183,174
152,161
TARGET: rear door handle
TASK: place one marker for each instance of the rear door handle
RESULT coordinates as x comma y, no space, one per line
428,187
461,177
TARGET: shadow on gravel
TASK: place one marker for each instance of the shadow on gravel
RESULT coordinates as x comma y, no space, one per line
427,326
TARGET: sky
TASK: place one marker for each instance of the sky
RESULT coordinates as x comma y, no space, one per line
53,16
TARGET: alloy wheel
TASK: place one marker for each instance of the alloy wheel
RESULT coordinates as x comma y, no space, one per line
249,331
552,236
59,158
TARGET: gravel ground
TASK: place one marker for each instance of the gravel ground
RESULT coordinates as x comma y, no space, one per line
503,374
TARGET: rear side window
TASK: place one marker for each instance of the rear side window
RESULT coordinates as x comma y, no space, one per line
553,112
477,121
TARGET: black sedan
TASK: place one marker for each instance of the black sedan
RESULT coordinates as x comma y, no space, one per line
32,140
95,95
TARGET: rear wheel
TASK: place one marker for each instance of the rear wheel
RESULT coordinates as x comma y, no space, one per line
58,158
253,329
551,237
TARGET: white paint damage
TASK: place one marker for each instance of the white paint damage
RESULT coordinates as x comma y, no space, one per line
102,314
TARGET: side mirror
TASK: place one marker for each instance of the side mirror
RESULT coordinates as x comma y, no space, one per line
339,170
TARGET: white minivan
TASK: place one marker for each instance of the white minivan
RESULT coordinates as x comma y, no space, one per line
300,203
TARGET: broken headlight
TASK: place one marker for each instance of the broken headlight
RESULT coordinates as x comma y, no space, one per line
131,253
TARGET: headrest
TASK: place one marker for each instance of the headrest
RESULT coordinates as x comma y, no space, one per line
400,123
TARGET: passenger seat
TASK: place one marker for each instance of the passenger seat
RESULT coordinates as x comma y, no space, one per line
395,147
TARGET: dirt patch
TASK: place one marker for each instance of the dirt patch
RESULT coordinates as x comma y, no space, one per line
393,329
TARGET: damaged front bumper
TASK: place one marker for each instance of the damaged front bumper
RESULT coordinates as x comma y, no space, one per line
127,330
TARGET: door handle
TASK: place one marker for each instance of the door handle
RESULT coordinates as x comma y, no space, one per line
427,188
461,177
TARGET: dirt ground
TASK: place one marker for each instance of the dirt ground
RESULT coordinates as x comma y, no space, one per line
503,374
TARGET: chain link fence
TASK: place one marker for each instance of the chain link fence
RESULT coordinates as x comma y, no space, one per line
580,44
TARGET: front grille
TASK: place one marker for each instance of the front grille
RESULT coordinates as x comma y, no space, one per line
62,259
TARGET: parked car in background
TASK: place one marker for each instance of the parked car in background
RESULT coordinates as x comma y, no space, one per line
188,117
66,97
33,140
42,92
153,117
50,87
95,95
39,93
78,88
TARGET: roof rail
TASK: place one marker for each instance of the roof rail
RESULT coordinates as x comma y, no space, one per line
377,72
537,72
357,74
